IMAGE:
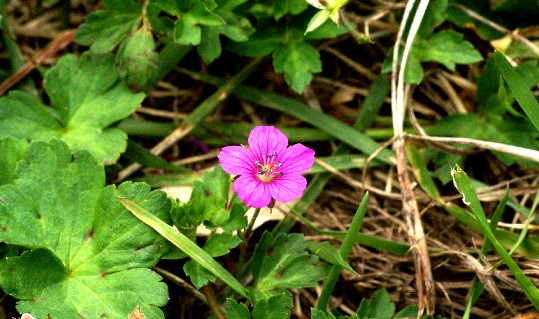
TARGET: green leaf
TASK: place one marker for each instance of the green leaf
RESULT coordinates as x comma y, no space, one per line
86,253
262,42
379,306
434,16
519,88
185,244
12,151
236,310
298,60
328,253
138,61
317,20
208,205
104,30
276,307
448,48
319,314
283,7
86,96
217,245
187,29
281,263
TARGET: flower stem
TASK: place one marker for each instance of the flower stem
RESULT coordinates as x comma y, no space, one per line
243,246
349,240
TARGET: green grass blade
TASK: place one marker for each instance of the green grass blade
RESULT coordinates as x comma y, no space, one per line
185,244
349,240
518,87
303,112
477,287
421,172
464,186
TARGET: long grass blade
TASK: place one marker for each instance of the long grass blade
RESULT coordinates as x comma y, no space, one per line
464,186
185,244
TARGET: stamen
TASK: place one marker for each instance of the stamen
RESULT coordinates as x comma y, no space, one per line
279,174
274,153
257,163
278,164
261,172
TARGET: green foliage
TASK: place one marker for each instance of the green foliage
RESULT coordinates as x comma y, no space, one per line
209,205
86,99
298,61
216,246
379,306
446,47
12,151
202,23
281,262
85,253
105,30
499,120
328,253
275,307
123,25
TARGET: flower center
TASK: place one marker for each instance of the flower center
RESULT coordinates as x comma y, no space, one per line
268,167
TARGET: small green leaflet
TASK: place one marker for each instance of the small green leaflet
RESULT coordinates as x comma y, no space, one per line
445,47
298,60
86,99
86,255
281,263
104,30
276,307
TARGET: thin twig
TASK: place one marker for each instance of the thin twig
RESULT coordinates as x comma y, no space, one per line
58,43
498,27
180,282
354,183
212,302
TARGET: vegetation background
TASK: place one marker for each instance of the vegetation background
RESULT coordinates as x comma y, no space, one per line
168,83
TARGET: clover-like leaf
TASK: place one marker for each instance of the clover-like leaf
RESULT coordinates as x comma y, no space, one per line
104,30
281,262
86,99
138,61
448,48
298,60
86,255
275,307
379,306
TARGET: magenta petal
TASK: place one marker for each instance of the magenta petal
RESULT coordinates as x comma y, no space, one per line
287,188
266,140
237,160
252,191
297,159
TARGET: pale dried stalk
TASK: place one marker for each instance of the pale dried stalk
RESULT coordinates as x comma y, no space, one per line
498,27
522,152
424,280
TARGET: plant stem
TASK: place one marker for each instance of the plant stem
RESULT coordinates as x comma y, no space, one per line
349,240
243,246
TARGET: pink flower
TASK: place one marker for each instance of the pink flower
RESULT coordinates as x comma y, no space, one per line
269,169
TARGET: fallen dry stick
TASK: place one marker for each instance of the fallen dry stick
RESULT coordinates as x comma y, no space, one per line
59,42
